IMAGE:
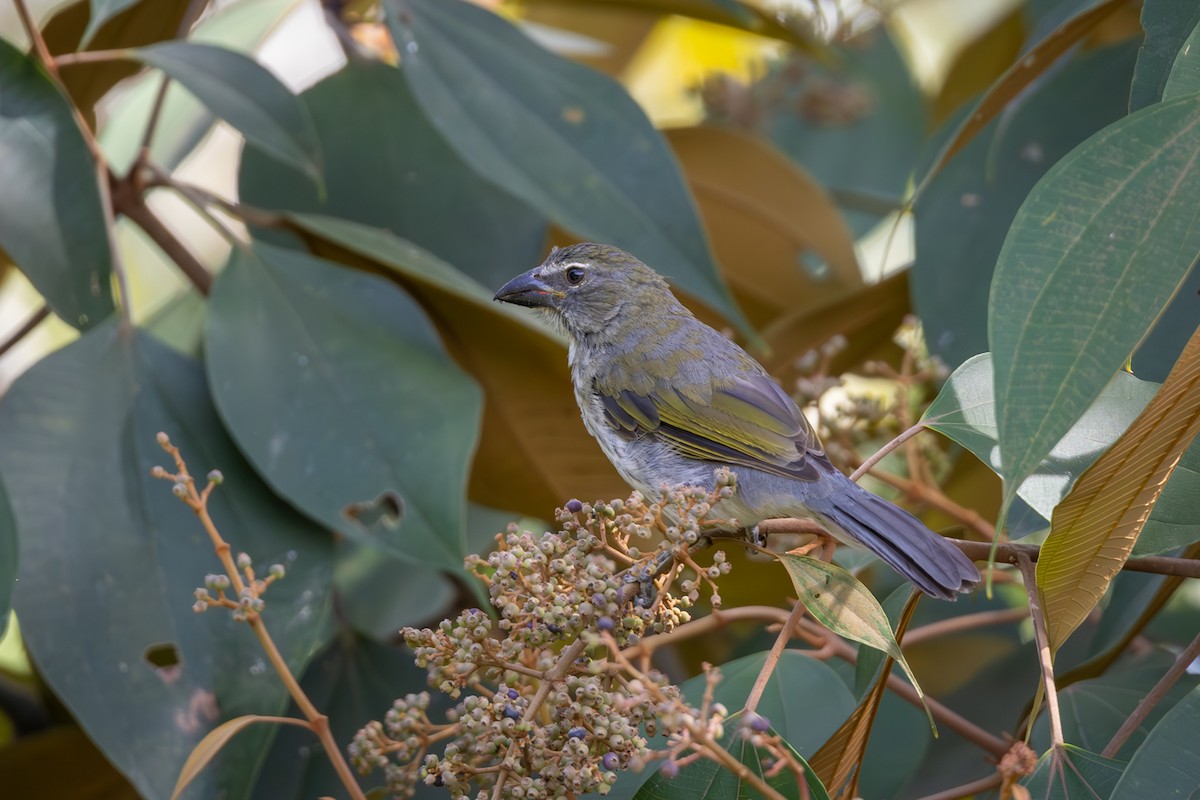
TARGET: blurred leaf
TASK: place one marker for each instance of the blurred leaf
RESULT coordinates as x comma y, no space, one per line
869,660
1157,353
1073,773
1184,76
183,121
8,557
1096,525
1093,710
210,746
1167,764
783,244
101,12
565,139
964,213
387,167
979,63
353,681
866,159
51,220
1168,25
1036,61
804,700
838,601
33,766
705,779
964,411
246,95
743,16
379,592
140,24
107,580
1109,233
361,415
179,323
534,453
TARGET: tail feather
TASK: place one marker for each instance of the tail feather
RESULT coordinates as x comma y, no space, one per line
935,566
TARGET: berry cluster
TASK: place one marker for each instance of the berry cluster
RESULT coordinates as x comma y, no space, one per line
547,705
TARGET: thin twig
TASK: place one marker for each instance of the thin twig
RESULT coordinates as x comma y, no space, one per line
966,622
35,37
968,789
879,454
1045,659
190,15
131,203
1147,704
20,333
1009,551
768,667
91,57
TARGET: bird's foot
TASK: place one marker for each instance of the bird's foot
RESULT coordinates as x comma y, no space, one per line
822,544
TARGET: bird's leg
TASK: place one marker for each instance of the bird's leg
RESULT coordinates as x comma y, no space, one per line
822,543
645,576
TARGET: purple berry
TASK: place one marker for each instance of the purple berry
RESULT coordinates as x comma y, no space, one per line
758,723
669,769
611,760
513,694
574,506
577,733
511,713
605,623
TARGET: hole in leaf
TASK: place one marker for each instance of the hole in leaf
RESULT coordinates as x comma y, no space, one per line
384,512
165,659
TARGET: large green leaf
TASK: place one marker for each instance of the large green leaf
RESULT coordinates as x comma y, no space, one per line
964,212
336,387
51,220
1168,763
1095,253
1093,710
1167,24
109,559
564,138
1073,774
183,121
8,557
1184,77
705,779
246,95
387,167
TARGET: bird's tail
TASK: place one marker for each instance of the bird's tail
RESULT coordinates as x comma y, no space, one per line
937,567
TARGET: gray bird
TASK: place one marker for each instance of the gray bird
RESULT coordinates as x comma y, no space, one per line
669,399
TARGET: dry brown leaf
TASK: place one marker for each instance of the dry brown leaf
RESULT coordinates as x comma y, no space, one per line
1095,527
978,64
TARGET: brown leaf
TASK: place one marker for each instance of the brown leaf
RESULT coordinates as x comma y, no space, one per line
979,63
141,24
1095,527
766,216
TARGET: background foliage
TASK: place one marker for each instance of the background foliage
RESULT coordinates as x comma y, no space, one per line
312,314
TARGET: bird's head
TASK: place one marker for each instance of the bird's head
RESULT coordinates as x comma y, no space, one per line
588,287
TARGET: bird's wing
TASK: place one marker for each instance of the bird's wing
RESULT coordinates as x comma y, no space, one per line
748,421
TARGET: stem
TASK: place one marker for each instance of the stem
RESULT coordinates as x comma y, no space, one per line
1043,644
764,674
35,36
91,57
968,789
1156,694
20,333
133,205
879,454
966,622
190,15
1009,552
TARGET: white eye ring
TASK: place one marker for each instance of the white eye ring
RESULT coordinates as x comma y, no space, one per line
574,273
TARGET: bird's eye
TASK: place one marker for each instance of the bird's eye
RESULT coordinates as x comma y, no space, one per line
574,275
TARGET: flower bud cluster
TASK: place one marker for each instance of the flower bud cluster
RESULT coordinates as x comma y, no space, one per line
544,725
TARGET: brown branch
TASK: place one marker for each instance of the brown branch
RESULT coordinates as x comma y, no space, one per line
772,659
879,454
1009,551
20,333
1156,694
966,622
968,789
129,201
1045,657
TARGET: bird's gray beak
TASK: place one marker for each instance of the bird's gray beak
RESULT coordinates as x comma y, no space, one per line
528,290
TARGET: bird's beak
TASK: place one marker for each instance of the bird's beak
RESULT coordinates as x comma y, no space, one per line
528,290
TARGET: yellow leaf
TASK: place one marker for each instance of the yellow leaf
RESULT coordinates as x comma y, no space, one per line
1096,525
212,743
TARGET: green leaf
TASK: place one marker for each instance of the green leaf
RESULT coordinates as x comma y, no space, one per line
361,421
210,746
841,603
183,121
1073,774
101,12
51,219
965,211
406,185
246,95
804,700
1167,764
565,139
1168,24
964,411
379,592
1093,710
1175,520
112,557
866,667
705,779
8,557
1095,253
1184,77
